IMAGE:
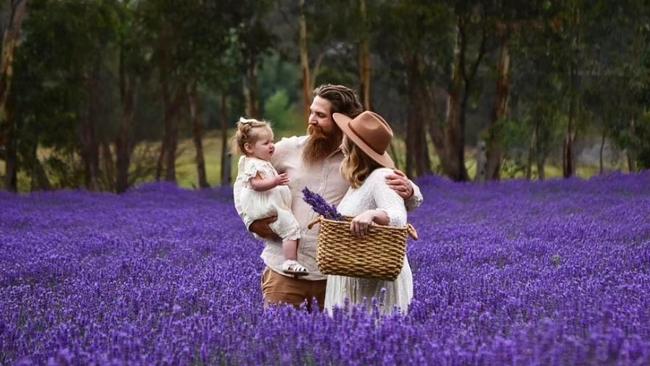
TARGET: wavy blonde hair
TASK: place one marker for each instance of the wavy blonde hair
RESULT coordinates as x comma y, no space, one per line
249,130
357,165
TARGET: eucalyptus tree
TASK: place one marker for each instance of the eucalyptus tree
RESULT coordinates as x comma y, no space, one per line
11,37
539,87
189,41
254,40
414,38
323,42
619,42
509,20
62,99
439,49
133,55
209,39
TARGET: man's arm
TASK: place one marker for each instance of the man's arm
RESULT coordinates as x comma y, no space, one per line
262,228
406,189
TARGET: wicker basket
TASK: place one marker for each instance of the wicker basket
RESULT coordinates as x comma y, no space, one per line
378,255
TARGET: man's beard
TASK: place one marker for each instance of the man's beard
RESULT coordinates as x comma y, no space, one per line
320,145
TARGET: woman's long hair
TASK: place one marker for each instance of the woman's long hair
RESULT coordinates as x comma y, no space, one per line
357,165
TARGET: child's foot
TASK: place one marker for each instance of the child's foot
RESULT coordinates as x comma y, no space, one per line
294,268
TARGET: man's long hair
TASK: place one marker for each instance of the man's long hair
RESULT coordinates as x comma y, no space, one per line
343,100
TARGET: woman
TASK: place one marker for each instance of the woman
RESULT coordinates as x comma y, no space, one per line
370,201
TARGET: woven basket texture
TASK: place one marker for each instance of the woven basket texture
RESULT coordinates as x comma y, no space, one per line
378,255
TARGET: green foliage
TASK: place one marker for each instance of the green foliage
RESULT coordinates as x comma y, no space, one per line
282,114
590,59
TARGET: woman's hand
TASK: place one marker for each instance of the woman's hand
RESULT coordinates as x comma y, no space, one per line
400,184
361,223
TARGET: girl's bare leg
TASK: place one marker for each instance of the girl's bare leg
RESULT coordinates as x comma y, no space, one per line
290,249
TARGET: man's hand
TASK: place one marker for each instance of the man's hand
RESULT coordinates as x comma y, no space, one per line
261,228
400,184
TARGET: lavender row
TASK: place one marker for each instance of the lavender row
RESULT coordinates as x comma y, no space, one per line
510,273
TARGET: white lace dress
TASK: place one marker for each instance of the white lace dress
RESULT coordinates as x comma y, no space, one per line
263,204
373,194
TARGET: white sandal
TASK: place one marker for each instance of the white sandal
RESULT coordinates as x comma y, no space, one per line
294,268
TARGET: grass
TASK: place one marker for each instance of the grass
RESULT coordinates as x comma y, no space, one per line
187,175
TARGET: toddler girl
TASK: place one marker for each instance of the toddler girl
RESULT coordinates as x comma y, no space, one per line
264,192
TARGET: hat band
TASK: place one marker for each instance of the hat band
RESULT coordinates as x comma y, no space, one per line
360,137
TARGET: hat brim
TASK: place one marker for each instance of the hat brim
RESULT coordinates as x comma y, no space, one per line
343,122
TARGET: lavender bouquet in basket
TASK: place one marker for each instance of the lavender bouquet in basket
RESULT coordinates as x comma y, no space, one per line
320,206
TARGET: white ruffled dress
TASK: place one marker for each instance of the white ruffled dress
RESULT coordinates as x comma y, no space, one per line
263,204
373,194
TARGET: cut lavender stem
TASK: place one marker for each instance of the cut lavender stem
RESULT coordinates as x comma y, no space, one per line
320,205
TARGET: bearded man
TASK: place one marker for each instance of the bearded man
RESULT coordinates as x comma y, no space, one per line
312,161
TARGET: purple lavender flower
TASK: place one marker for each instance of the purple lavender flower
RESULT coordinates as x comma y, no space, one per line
320,206
515,272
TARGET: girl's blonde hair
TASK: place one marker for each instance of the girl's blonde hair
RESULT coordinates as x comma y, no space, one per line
248,131
357,165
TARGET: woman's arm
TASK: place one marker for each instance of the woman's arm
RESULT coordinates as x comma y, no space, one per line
390,209
360,224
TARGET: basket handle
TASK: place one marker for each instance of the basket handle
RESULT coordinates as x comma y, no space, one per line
412,232
316,221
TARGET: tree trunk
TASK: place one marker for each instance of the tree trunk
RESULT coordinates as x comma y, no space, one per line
251,88
631,161
454,143
90,154
568,156
541,172
39,181
304,62
602,149
417,152
161,156
499,111
568,165
167,155
172,140
225,155
436,132
171,107
109,165
11,146
89,143
123,140
631,164
171,103
540,151
364,57
531,155
197,133
10,40
394,155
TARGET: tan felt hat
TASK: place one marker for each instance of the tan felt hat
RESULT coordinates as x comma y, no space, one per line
370,132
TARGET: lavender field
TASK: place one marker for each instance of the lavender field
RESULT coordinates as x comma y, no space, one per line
514,273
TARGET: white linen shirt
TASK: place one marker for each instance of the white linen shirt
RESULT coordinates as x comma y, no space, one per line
322,177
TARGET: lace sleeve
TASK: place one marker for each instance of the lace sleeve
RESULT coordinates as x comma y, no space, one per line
387,199
250,169
416,199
